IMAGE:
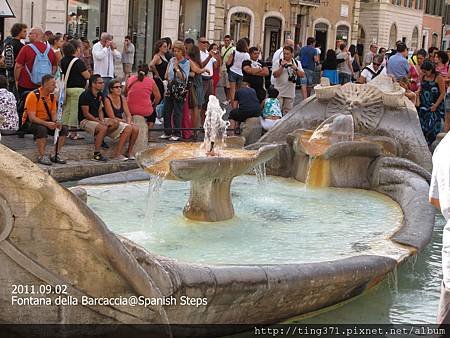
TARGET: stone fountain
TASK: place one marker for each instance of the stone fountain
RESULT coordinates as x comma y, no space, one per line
210,168
50,236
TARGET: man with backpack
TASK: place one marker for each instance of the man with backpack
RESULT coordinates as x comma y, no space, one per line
33,62
12,47
41,119
374,69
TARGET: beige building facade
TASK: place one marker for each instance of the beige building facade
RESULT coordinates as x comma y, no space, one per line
418,23
267,23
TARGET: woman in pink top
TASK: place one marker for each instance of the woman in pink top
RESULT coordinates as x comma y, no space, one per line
142,94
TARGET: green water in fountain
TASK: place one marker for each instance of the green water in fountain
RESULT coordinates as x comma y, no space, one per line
276,222
414,300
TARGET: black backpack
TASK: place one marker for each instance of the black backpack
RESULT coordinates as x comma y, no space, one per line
24,123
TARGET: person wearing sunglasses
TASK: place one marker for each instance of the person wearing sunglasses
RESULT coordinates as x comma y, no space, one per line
116,108
371,71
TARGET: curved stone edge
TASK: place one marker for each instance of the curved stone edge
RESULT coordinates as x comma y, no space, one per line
407,184
354,148
66,218
119,177
242,294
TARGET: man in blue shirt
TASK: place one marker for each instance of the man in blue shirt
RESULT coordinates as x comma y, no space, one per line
308,59
398,65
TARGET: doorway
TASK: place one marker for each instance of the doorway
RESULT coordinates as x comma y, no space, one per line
272,36
321,35
144,27
192,19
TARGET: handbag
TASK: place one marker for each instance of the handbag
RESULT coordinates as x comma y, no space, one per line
65,78
178,90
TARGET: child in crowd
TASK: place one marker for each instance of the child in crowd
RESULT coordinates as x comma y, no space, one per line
271,113
246,105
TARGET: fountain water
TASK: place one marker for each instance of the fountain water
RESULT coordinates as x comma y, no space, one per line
215,127
335,129
209,170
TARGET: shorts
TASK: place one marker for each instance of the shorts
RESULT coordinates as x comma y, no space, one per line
307,80
233,77
224,82
127,68
241,116
41,131
89,127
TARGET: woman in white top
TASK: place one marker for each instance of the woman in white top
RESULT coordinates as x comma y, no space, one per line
234,64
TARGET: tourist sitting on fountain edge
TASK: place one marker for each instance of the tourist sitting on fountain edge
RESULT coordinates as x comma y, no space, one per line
245,105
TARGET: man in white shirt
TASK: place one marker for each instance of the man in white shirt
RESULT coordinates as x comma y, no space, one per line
208,59
104,53
278,55
439,196
371,71
286,72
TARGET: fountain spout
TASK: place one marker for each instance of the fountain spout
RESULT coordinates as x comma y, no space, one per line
215,128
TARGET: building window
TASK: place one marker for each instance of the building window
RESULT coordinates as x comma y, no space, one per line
434,40
341,34
393,36
144,22
408,3
240,26
344,10
192,19
415,39
86,18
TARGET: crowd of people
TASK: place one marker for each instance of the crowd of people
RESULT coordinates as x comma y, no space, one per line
178,80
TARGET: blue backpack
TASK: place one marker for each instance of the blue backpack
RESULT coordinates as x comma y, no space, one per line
41,66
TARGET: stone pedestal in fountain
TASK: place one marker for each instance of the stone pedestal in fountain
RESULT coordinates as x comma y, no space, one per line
210,176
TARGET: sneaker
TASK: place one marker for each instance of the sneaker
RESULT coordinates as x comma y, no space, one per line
104,145
120,158
57,159
99,157
226,103
158,121
174,138
45,160
164,136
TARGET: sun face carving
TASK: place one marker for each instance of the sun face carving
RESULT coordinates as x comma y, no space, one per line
364,103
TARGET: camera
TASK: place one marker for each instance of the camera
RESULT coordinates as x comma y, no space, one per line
292,78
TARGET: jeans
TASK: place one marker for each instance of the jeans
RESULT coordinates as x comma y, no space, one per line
106,80
172,106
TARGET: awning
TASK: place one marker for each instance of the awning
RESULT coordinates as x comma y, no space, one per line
5,10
